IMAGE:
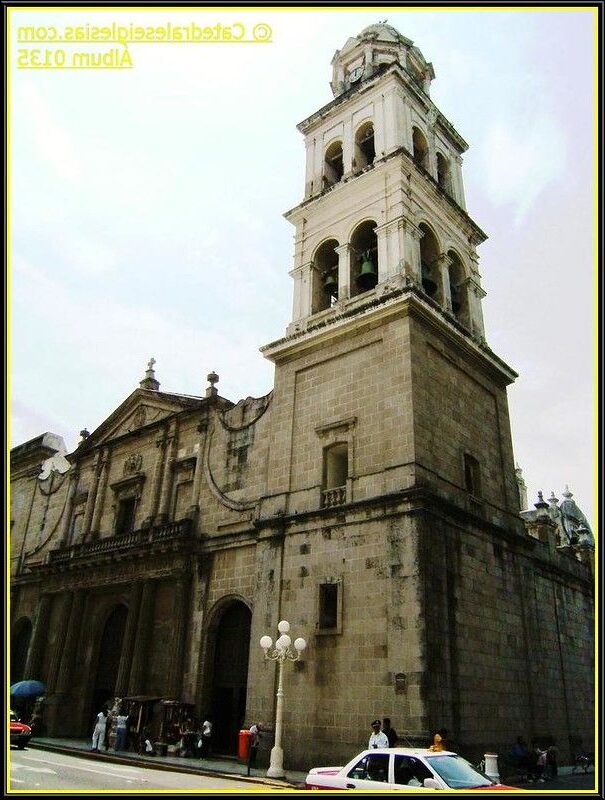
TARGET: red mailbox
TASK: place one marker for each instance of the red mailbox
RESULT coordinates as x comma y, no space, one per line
243,745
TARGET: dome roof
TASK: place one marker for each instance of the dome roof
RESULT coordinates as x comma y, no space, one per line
382,31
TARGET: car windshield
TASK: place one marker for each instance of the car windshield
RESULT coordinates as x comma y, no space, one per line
458,773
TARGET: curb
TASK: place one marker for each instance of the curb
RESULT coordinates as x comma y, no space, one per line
152,763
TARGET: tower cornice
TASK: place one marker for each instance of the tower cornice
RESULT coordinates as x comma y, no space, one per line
307,125
476,233
384,305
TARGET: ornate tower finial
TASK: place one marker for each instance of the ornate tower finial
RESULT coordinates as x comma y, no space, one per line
553,500
567,494
541,502
149,381
84,434
212,378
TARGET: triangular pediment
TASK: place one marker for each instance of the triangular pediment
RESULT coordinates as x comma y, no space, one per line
144,407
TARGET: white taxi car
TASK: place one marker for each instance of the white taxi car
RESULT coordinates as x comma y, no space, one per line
402,768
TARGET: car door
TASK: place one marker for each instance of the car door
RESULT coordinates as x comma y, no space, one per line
410,772
370,772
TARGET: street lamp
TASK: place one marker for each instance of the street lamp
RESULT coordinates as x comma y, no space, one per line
281,652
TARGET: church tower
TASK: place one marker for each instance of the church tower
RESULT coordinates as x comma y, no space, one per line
391,468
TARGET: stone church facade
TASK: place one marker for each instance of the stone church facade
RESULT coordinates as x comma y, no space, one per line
370,498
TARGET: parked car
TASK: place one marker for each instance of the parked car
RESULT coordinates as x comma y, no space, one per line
19,731
402,768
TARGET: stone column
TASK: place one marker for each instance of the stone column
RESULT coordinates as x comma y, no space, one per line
411,253
303,288
407,128
475,295
37,646
344,271
140,655
129,642
348,149
57,722
309,167
55,663
393,137
318,167
92,496
443,265
180,621
457,182
389,254
100,498
156,480
167,474
69,506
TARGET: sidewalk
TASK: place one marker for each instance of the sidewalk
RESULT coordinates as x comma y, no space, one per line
223,766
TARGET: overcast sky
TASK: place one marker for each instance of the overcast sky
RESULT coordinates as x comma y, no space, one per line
146,211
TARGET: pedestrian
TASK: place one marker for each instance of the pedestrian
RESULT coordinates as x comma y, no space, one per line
537,763
205,737
100,729
520,756
121,731
255,737
439,741
390,732
552,767
377,737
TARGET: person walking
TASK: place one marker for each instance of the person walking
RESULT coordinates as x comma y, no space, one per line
552,767
255,737
100,729
205,737
390,732
377,737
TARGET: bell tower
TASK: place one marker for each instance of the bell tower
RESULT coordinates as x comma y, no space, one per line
390,459
384,198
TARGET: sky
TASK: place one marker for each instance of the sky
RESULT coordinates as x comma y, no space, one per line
146,209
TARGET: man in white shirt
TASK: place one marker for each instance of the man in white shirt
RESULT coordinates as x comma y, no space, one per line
378,738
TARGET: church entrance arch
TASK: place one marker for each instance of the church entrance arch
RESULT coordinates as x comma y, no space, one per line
108,663
230,645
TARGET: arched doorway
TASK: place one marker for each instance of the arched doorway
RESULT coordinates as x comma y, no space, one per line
110,652
230,676
22,634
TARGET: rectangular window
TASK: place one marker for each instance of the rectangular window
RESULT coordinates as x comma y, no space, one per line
330,607
472,475
125,516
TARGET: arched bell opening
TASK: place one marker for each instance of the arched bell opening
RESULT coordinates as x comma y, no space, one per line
325,276
420,148
444,178
365,151
429,263
333,165
108,661
364,258
458,290
20,641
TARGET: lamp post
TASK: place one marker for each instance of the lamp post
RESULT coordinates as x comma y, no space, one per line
281,652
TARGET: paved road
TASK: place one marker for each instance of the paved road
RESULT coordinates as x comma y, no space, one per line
572,783
44,771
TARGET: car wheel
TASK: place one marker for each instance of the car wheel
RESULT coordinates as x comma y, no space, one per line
21,745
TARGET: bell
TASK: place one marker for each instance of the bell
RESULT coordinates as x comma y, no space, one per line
367,278
331,285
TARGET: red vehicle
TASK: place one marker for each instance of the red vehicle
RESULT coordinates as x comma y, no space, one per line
20,732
